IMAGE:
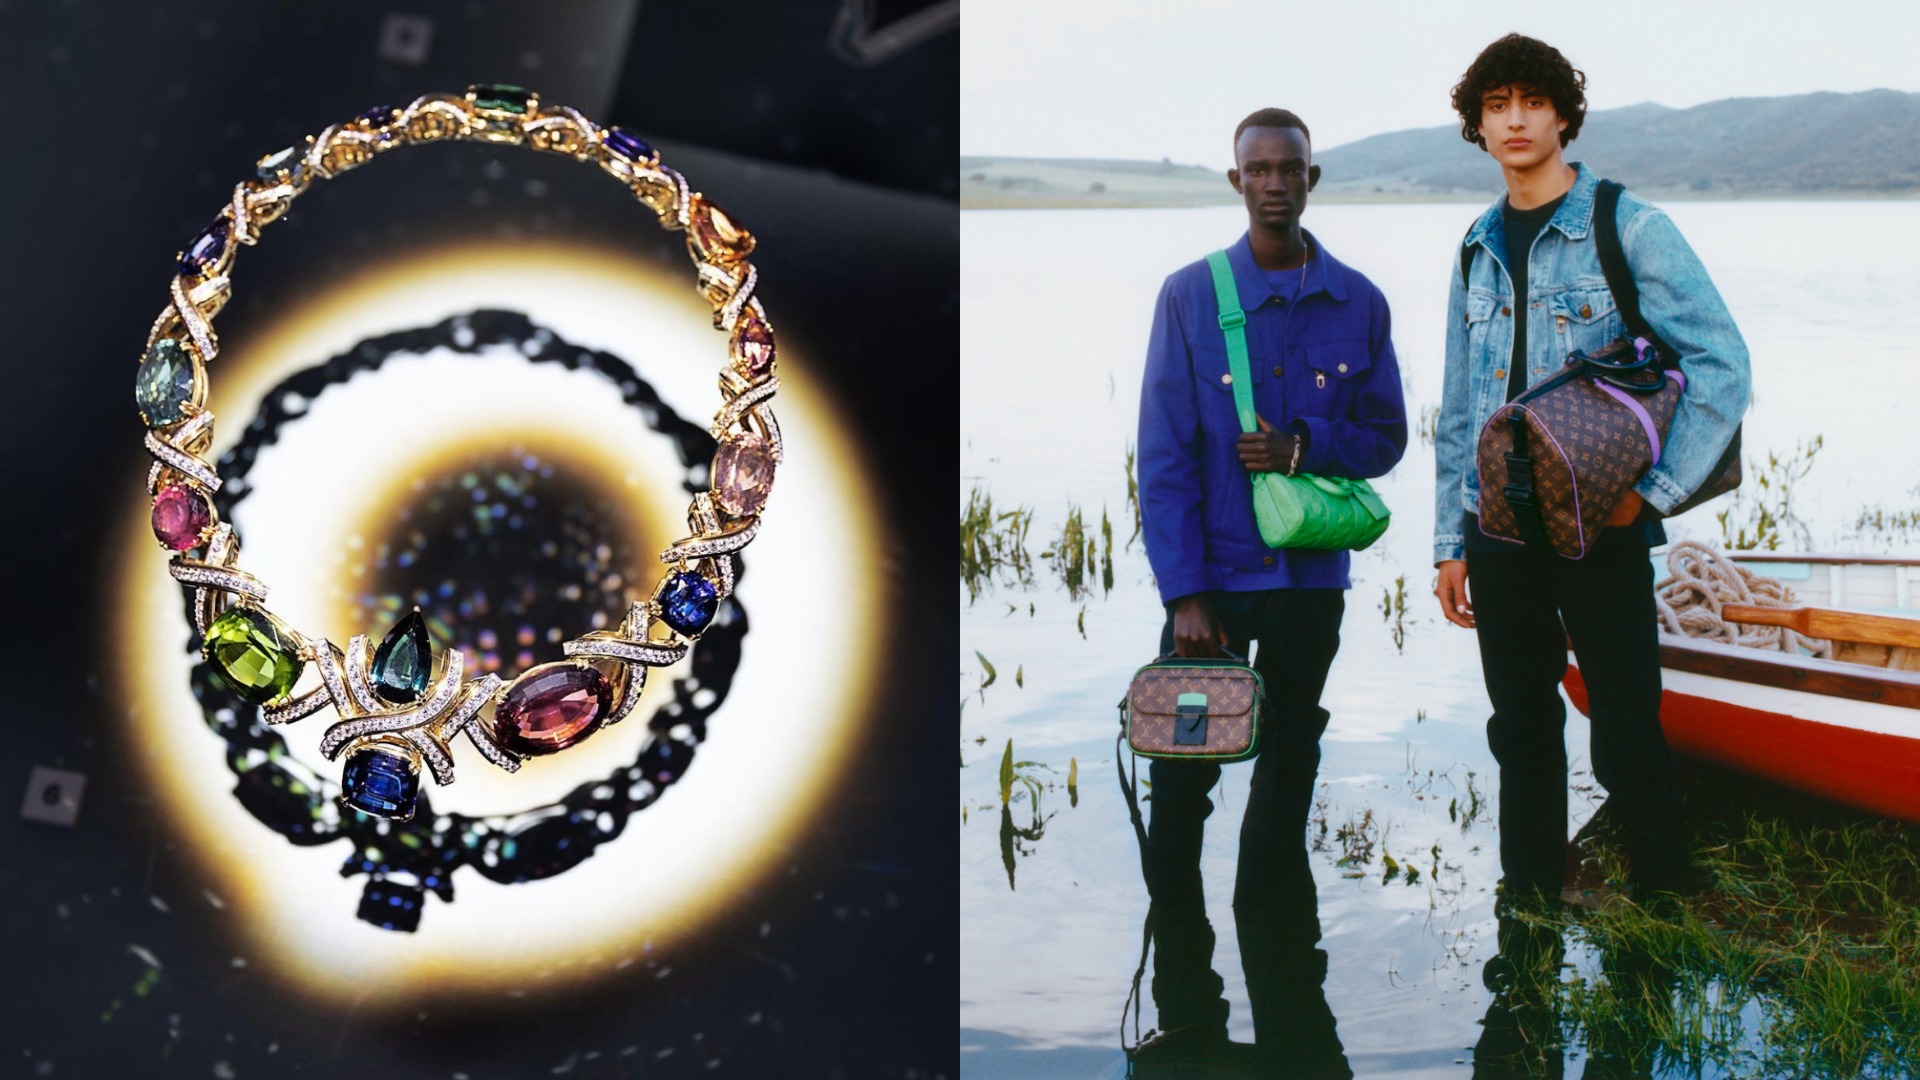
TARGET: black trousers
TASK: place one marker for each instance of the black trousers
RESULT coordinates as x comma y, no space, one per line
1298,633
1527,605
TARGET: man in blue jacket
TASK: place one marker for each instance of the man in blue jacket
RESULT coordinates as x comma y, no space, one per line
1534,293
1326,389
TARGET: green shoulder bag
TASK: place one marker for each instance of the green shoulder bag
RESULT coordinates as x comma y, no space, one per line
1325,513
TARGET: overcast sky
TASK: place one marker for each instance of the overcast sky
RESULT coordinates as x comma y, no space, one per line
1156,78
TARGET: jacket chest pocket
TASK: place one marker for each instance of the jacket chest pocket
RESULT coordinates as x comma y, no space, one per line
1584,320
1480,308
1323,377
1210,369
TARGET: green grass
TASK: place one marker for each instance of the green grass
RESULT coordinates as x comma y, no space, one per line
1816,926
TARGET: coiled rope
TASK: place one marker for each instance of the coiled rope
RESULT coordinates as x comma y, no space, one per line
1702,580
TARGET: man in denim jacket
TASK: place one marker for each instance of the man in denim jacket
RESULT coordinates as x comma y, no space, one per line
1326,391
1534,294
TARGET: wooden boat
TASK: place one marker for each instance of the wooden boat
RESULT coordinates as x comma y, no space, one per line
1846,728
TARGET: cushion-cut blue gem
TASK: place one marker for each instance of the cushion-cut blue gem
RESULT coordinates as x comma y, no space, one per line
380,783
688,603
203,256
377,117
628,145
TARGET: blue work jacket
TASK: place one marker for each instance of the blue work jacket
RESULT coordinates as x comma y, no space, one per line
1322,365
1569,308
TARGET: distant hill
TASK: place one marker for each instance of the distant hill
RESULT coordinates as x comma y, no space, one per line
1035,182
1825,145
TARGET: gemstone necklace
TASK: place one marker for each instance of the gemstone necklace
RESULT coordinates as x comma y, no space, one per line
403,862
401,704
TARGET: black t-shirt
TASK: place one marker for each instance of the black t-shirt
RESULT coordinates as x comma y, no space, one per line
1522,226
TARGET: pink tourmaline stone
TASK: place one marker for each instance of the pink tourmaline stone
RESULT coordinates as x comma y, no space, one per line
743,474
551,707
180,515
755,347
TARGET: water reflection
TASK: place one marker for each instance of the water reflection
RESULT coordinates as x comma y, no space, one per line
1522,1032
1276,916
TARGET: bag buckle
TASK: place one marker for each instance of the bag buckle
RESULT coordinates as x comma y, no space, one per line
1519,495
1233,320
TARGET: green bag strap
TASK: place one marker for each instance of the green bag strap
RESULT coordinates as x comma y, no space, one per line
1233,322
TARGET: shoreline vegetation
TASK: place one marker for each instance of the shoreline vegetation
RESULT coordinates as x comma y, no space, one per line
1014,183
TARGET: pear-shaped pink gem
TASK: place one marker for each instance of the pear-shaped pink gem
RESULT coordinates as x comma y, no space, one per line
743,474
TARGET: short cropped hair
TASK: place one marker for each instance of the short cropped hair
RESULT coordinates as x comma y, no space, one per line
1272,118
1531,64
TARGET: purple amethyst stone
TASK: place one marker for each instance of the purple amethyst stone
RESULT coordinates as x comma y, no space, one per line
208,250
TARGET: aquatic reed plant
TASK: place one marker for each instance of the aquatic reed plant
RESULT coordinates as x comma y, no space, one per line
1133,496
1072,554
1762,514
993,544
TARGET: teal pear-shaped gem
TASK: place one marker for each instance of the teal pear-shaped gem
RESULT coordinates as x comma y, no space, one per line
403,663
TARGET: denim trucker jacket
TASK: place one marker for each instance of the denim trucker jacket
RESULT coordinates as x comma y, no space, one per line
1323,365
1569,307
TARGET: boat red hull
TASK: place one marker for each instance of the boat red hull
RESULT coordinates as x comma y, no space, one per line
1873,771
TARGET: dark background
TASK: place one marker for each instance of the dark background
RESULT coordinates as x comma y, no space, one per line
831,128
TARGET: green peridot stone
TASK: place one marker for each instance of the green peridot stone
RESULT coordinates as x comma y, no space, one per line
501,97
254,655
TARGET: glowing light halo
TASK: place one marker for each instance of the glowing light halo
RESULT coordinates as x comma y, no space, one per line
775,748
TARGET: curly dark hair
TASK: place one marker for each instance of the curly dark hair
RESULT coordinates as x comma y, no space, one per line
1531,64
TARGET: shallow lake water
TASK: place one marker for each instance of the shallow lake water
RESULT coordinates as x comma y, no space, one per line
1054,322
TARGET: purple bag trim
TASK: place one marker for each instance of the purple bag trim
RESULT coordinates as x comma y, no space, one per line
1579,523
1639,413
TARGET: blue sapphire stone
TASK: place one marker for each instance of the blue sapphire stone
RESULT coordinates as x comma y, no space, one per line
380,784
377,117
628,145
391,905
204,255
688,602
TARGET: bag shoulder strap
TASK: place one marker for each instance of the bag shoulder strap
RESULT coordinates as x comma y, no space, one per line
1466,259
1146,929
1613,264
1233,323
